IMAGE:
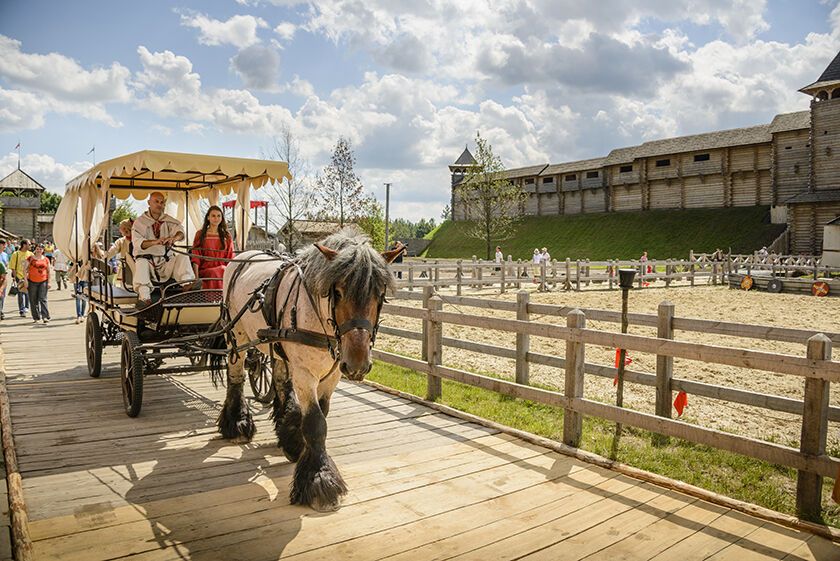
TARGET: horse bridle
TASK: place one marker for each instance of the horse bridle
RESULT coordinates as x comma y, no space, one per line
351,324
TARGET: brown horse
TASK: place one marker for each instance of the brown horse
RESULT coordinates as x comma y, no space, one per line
326,311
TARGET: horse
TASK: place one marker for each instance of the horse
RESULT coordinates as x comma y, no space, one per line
326,302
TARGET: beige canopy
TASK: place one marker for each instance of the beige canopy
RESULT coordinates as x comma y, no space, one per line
184,178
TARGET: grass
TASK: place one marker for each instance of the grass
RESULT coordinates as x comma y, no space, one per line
728,474
621,235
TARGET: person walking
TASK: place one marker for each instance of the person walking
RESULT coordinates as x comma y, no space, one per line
4,263
37,269
535,261
61,266
499,258
17,263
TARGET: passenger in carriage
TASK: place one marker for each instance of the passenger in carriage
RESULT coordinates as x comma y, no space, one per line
153,234
213,240
123,249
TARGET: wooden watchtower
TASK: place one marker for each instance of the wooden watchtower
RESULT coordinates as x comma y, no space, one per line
20,199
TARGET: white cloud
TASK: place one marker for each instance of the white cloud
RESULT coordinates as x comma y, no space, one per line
258,67
44,168
285,30
61,76
239,31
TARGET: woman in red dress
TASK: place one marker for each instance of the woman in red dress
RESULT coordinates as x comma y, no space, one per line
213,240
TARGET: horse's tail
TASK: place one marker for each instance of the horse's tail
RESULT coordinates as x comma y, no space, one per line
217,361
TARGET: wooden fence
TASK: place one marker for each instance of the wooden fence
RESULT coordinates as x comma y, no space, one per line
816,368
576,274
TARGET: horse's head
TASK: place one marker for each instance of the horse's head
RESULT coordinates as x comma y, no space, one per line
355,278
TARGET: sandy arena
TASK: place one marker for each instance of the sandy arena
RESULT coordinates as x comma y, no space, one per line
706,302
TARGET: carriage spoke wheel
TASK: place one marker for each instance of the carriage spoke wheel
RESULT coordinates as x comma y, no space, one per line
131,373
93,345
259,375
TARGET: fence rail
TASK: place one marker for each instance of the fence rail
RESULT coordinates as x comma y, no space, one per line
815,366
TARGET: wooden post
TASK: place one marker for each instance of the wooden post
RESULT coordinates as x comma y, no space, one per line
577,275
664,368
434,348
691,273
543,285
502,267
424,351
479,274
611,269
411,276
568,284
523,340
668,273
554,273
519,271
437,272
459,274
575,358
814,430
473,275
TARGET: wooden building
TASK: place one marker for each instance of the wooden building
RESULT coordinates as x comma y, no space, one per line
20,199
791,164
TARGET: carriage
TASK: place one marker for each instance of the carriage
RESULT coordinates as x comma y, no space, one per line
172,327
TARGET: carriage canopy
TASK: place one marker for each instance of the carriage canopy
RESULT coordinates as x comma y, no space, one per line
185,179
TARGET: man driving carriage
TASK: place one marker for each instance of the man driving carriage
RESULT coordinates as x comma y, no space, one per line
153,235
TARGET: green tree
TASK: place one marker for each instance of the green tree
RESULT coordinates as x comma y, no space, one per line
401,229
491,203
371,220
340,189
446,214
423,227
49,202
122,212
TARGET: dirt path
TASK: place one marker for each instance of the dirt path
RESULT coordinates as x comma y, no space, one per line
706,302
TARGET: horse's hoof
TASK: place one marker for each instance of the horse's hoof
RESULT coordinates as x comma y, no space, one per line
241,439
326,507
291,456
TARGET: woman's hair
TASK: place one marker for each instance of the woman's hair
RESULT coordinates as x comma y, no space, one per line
224,235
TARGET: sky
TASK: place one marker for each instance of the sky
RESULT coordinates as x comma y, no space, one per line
408,83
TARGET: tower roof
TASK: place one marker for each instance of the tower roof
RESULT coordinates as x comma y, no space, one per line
19,180
465,159
829,77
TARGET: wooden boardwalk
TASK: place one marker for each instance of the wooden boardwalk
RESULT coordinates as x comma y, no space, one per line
423,485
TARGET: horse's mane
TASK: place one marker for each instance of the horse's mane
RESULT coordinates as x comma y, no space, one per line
359,267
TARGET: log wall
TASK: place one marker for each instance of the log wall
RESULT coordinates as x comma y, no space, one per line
825,137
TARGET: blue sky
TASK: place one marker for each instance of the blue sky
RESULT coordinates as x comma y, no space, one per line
408,82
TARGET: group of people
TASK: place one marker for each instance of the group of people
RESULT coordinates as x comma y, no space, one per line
145,249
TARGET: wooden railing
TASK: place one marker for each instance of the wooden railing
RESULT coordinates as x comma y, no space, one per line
816,368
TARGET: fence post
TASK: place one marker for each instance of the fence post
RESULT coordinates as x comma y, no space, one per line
523,340
554,273
575,358
437,272
814,430
568,284
411,276
502,270
691,272
424,351
434,347
664,368
479,274
473,273
577,275
543,285
459,274
519,271
668,273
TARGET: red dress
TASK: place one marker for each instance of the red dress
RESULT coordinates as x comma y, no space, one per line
210,271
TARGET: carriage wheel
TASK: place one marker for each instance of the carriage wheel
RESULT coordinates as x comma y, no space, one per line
93,345
259,375
131,373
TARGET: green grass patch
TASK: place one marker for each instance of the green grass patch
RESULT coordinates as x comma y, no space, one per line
621,235
728,474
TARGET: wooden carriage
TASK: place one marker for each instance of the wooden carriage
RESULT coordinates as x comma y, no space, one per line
172,326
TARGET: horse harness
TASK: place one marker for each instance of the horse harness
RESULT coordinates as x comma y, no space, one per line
264,297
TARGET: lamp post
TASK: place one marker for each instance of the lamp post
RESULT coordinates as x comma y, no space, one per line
625,282
387,202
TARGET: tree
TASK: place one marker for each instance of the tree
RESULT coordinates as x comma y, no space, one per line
123,212
491,203
446,214
401,229
340,190
372,222
292,198
423,227
49,202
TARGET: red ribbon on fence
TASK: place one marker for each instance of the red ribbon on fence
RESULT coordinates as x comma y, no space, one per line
680,402
627,360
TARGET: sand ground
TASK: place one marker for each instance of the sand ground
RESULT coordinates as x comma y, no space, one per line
706,302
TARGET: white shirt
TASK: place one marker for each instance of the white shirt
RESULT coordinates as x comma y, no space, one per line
499,257
546,257
537,258
60,260
143,231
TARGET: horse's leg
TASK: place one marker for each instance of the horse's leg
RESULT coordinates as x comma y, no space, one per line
325,390
317,481
235,421
286,413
